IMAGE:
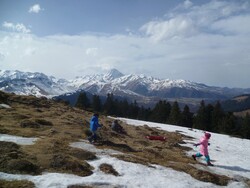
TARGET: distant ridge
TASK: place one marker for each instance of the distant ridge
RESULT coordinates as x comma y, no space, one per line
142,88
237,104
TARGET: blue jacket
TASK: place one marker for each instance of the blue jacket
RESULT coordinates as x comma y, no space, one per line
94,123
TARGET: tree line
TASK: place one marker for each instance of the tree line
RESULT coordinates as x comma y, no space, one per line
208,117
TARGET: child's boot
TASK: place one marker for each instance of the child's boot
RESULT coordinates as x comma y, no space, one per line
209,163
90,139
194,157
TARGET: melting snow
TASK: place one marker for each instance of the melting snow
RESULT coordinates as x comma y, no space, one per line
17,139
231,158
4,106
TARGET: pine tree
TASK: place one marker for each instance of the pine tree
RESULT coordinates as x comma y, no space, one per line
133,110
167,109
246,127
109,107
160,112
228,124
82,101
144,114
117,108
208,113
96,103
175,114
124,106
203,117
187,117
200,119
217,116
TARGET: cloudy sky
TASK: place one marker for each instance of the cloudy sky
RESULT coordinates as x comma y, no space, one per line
197,40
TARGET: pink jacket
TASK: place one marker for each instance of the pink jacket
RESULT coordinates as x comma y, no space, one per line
203,145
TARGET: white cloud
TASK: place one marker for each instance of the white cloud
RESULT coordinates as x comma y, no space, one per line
91,51
19,27
29,51
201,44
176,27
202,58
2,57
35,8
187,4
233,25
196,20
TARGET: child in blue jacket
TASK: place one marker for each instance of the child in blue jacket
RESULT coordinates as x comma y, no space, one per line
94,125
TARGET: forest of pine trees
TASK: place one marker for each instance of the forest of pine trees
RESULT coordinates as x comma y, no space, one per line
208,117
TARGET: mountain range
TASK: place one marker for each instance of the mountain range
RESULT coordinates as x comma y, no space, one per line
144,89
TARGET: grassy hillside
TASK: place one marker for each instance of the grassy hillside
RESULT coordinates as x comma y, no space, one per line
57,125
237,104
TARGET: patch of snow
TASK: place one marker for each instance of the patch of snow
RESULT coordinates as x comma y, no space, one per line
17,139
4,106
92,148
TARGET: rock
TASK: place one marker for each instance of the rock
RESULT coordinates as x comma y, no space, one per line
108,169
22,166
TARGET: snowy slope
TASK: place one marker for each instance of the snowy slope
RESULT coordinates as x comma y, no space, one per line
231,157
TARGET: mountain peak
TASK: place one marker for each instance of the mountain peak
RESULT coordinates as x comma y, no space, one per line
113,74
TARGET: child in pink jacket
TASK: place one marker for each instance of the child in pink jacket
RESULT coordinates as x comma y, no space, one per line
203,148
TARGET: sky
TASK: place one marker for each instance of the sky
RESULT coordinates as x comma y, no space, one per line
204,41
230,155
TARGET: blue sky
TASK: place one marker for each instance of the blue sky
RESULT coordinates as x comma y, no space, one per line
197,40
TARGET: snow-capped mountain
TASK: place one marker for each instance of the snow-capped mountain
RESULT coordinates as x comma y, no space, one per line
27,83
145,86
135,87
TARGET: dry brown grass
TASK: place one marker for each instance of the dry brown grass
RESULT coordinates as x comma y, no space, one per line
242,113
16,184
108,169
57,125
240,98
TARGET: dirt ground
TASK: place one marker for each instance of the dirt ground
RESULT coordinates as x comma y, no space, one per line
57,125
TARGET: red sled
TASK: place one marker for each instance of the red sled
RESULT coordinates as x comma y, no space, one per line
161,138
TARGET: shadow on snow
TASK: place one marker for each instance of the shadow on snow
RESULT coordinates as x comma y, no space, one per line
234,168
